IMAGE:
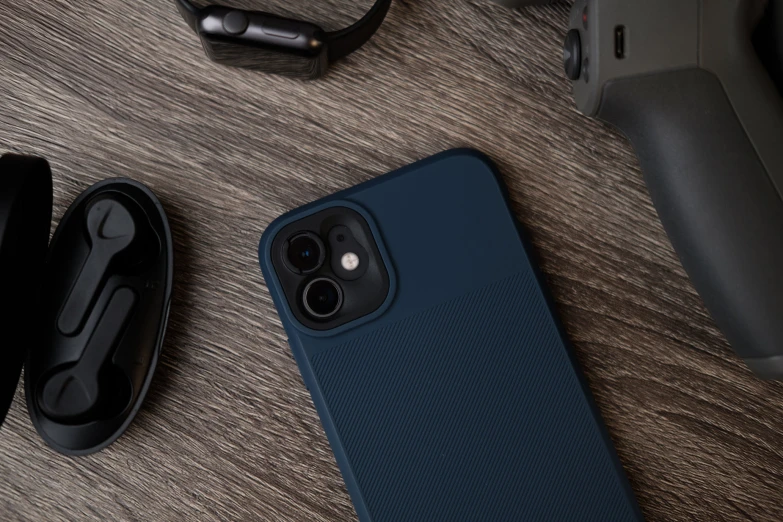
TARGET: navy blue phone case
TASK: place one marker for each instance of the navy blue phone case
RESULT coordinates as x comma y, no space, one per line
460,398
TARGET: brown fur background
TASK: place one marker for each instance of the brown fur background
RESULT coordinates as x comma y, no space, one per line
121,88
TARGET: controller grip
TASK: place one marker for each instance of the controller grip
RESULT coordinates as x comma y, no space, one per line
717,202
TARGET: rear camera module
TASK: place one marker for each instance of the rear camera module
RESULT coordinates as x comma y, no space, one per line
322,298
304,253
329,267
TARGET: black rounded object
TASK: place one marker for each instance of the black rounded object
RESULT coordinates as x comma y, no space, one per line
25,220
572,54
304,253
322,298
235,22
109,273
112,230
75,392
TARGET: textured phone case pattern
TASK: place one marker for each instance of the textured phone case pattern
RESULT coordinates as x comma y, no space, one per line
466,401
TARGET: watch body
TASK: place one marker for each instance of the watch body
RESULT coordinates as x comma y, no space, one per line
273,44
263,41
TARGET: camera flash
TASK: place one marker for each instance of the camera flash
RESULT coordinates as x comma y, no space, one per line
350,261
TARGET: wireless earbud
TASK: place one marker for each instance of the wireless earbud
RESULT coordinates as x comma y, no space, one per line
71,393
113,229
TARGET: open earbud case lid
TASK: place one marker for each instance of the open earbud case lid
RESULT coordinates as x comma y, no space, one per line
25,220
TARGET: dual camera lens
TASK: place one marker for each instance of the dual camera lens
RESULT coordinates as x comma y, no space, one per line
304,254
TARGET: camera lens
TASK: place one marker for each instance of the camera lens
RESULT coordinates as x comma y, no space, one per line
322,298
305,253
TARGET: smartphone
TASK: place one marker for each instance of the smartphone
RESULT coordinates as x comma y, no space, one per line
440,372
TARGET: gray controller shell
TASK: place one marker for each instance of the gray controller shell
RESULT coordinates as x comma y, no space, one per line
706,121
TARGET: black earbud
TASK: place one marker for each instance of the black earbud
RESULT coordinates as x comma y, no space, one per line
114,227
70,394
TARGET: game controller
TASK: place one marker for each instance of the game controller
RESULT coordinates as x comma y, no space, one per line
683,81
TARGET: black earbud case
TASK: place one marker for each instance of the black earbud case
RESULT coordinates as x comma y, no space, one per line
86,315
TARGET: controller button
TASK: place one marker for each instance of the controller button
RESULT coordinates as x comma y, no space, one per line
572,54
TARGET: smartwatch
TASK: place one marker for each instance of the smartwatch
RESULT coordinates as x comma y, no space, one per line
273,44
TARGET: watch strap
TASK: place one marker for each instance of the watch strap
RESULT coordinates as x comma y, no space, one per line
345,41
189,12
